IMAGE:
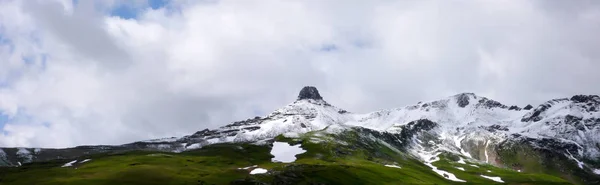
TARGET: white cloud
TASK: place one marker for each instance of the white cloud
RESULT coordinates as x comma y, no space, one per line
198,64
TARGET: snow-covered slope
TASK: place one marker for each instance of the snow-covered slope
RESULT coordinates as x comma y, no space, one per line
309,112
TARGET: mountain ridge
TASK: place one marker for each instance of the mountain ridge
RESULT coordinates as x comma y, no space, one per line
466,125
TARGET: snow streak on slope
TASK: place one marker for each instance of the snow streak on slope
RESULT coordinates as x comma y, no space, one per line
432,157
69,164
497,179
393,166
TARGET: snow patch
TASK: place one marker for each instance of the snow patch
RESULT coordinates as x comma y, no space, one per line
457,142
25,155
23,151
248,167
597,171
85,160
2,154
497,179
474,165
430,158
489,171
193,146
579,163
460,168
285,153
258,171
393,166
69,164
487,142
161,140
461,161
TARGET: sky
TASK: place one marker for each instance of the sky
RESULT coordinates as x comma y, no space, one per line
76,72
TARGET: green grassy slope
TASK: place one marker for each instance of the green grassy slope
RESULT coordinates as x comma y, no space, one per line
348,158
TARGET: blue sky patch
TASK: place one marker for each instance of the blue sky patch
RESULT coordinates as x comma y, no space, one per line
29,60
156,4
131,11
125,11
6,41
3,119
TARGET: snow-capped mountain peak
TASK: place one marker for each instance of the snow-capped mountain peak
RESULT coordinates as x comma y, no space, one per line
309,112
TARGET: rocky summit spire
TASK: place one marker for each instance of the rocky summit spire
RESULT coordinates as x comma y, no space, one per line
309,92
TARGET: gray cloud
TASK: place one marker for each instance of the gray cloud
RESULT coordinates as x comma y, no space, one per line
81,30
111,81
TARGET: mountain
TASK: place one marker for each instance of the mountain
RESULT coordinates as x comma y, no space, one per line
463,138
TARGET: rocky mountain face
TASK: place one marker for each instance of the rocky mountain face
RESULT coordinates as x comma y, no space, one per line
561,136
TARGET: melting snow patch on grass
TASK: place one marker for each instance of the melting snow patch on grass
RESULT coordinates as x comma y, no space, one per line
85,160
392,166
460,168
474,165
285,153
245,168
497,179
461,160
69,164
430,158
258,171
597,171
